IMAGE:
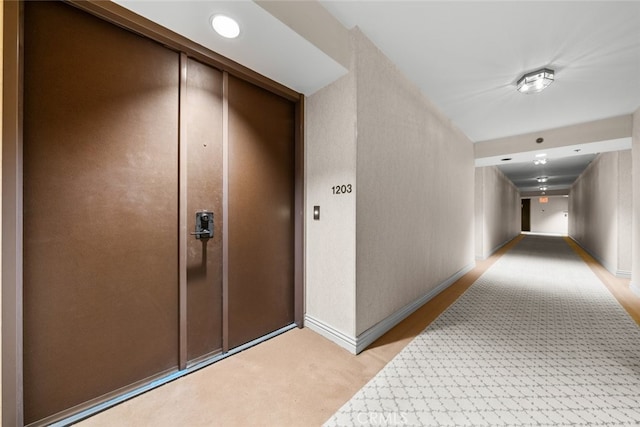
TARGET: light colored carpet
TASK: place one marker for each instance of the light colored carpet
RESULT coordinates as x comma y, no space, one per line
537,340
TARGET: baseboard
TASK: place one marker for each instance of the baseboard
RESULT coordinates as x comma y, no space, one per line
545,233
330,333
623,274
495,249
635,288
356,345
610,268
370,335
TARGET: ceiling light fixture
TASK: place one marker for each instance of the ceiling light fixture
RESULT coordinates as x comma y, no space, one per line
544,188
541,155
540,162
535,81
225,26
543,179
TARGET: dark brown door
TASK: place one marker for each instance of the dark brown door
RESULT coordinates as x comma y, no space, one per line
100,208
526,214
261,177
202,127
123,141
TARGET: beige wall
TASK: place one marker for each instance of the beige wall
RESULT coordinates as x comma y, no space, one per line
635,150
599,211
331,241
497,211
550,217
415,191
406,229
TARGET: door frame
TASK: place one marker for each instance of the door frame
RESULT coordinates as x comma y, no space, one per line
12,173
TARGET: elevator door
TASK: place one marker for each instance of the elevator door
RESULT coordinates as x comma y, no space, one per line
100,208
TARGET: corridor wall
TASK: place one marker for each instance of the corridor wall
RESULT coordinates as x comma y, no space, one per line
497,211
403,230
550,217
600,211
635,249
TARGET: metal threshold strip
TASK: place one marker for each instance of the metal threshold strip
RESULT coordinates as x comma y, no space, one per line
164,380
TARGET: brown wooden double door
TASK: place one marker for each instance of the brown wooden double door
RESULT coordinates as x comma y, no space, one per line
124,141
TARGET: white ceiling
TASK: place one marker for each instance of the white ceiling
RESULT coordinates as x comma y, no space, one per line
465,56
561,173
265,44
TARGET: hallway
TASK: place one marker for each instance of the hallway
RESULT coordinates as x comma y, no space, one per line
537,340
553,339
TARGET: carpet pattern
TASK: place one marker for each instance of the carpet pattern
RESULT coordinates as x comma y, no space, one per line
536,341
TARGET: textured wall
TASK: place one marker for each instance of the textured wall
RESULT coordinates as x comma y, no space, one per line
625,203
497,210
598,218
415,191
550,217
330,242
478,207
635,150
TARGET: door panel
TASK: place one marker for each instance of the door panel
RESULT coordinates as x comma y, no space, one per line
204,192
100,208
526,215
261,194
103,122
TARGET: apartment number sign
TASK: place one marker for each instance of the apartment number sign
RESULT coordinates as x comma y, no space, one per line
342,189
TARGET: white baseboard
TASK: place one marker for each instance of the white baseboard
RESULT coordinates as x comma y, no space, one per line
495,249
370,335
330,333
623,274
610,268
635,288
362,341
544,233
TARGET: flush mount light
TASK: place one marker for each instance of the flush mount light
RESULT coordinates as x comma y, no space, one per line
543,179
544,188
540,162
535,81
225,26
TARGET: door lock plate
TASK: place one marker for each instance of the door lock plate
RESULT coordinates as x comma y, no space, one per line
204,225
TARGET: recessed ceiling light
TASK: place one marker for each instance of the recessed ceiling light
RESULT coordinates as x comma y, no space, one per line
539,140
535,81
540,162
225,26
543,179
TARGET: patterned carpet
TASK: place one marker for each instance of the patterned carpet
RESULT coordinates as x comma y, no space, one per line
536,341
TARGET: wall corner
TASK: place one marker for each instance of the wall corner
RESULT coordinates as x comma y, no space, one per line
635,209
